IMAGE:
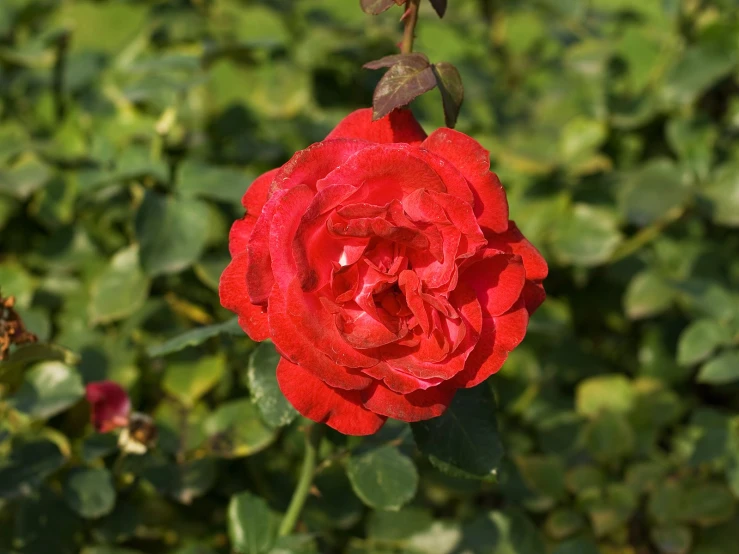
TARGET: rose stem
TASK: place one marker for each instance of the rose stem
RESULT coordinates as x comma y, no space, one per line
313,437
410,18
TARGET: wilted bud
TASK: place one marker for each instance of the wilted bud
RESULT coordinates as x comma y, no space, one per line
110,405
139,436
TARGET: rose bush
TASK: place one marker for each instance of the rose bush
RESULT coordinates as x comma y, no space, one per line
382,264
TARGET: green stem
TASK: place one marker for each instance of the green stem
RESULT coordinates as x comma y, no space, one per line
411,18
312,440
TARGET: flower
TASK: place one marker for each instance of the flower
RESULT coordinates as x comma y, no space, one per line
382,264
110,405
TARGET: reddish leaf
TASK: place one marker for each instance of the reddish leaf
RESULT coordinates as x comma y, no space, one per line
375,7
439,6
402,83
452,92
416,59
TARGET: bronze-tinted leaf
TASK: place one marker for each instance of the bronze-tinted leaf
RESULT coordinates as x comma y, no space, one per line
416,60
439,6
402,83
452,91
376,7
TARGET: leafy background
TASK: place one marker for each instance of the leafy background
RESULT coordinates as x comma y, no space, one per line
129,131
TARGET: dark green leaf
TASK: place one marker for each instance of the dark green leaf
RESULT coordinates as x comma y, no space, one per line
48,389
722,369
120,290
464,439
172,232
699,340
452,91
265,392
90,492
30,463
235,429
250,524
384,478
189,381
195,337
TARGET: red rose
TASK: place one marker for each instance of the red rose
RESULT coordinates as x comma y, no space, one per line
382,264
110,406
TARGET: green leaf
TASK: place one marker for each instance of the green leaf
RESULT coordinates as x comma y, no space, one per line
90,492
48,388
184,482
503,532
403,82
722,195
647,295
189,381
463,440
121,288
172,232
653,191
604,393
693,141
235,429
707,504
196,337
579,545
699,340
250,524
383,478
265,392
36,352
29,464
563,523
722,369
581,138
586,236
672,539
225,184
450,85
609,437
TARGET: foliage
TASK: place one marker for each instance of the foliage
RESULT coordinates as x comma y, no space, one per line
129,130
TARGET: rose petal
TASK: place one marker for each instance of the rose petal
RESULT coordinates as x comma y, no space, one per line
513,241
258,192
318,326
533,296
397,126
253,201
414,406
308,166
498,280
292,344
382,174
284,225
339,409
399,381
110,405
499,336
473,161
234,297
259,276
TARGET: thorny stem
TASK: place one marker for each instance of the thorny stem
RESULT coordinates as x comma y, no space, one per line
313,437
411,18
